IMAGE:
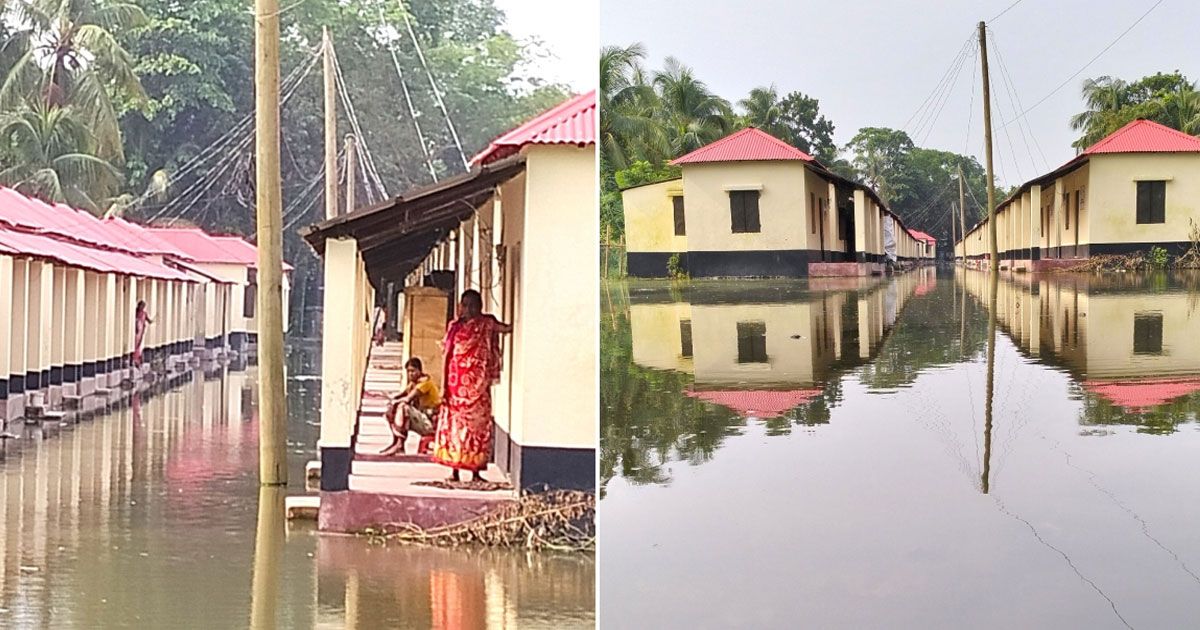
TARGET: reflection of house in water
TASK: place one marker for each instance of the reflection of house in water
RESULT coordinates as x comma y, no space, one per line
1126,342
777,346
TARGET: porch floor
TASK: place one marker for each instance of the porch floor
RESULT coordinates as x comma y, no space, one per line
387,490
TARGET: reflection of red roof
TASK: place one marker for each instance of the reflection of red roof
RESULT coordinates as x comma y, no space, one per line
570,122
1143,394
757,403
1145,136
925,286
745,145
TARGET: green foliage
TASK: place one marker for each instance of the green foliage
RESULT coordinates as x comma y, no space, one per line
675,268
1159,258
1170,99
643,172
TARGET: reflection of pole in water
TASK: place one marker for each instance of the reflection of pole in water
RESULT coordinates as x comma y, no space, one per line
993,286
268,552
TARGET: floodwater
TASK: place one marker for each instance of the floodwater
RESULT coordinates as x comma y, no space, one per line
837,453
151,517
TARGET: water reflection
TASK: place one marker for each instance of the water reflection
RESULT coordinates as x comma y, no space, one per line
151,516
919,451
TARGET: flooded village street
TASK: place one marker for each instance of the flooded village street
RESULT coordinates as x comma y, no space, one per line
828,452
149,517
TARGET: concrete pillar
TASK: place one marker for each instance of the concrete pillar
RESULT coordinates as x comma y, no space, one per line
74,316
58,333
109,328
38,335
7,286
860,225
339,396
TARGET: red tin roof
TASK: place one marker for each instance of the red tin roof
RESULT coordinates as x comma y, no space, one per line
1142,394
570,122
921,236
749,144
67,252
1145,136
760,403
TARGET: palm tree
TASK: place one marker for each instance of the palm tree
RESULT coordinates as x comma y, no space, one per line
51,149
692,114
68,57
628,129
764,111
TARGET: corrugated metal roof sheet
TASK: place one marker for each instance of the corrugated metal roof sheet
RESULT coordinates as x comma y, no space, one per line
570,122
921,236
54,247
749,144
1145,136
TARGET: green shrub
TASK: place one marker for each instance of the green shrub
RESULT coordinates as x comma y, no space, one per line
674,268
1159,257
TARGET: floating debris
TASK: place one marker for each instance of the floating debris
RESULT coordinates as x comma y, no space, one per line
559,520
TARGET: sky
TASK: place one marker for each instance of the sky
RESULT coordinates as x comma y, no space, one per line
873,63
567,32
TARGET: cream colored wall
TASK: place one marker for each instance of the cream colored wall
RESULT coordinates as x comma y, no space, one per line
657,341
650,218
559,311
817,191
92,338
782,205
76,316
507,396
58,313
1113,196
41,298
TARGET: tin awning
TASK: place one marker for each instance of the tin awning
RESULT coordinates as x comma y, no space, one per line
394,236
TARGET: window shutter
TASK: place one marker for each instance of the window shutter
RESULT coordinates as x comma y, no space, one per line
1159,202
752,223
680,224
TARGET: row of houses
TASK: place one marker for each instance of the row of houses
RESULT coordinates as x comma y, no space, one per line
69,286
1136,189
517,228
752,205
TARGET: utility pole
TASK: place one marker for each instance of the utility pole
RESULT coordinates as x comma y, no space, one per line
272,402
962,212
351,166
331,191
987,142
953,240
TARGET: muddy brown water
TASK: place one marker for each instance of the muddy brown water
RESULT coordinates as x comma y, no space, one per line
829,453
149,517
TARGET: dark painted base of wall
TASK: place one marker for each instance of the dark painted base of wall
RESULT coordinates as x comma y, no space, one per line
538,468
736,264
237,340
335,469
3,389
1085,250
751,264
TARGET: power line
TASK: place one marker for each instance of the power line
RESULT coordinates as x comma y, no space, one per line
433,84
937,88
412,111
1086,65
1006,10
1015,98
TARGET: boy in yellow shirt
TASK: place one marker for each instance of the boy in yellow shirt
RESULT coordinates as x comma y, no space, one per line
415,409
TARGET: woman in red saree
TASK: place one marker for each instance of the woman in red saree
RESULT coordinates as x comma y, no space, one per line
472,348
140,320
